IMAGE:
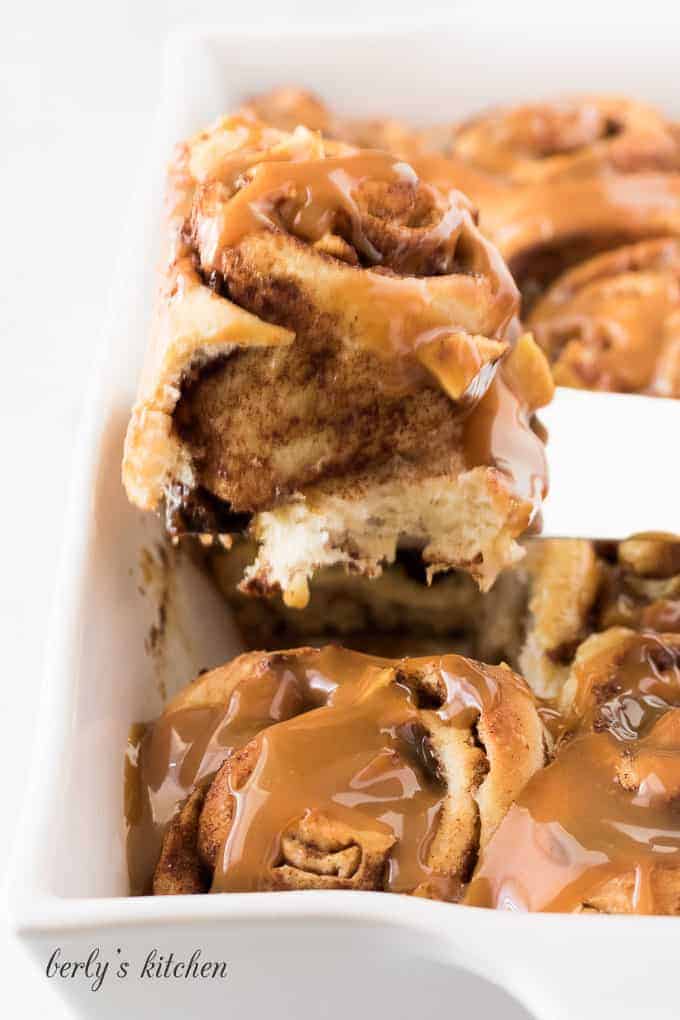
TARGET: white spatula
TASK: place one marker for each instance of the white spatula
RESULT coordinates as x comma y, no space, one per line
614,462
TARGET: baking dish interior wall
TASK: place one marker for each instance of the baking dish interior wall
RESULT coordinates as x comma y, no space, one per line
114,680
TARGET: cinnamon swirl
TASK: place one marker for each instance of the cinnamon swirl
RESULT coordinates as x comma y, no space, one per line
325,365
554,182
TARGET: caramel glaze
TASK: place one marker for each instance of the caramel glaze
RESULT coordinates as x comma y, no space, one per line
359,759
553,182
339,734
362,759
598,829
404,244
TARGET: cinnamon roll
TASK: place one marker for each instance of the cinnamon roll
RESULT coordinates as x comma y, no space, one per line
581,177
577,588
325,365
596,830
535,142
613,323
333,770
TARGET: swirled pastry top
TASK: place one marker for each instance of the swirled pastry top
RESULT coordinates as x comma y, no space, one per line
331,769
433,289
581,136
554,182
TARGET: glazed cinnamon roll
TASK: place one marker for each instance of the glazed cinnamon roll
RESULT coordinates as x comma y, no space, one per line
331,770
554,183
596,830
325,365
613,323
581,176
575,137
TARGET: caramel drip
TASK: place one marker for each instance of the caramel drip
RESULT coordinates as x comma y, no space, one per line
605,810
498,432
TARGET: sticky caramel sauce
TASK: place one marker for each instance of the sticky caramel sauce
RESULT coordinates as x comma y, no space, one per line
184,748
605,810
311,199
498,432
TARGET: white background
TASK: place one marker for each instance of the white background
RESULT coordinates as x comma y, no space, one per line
80,80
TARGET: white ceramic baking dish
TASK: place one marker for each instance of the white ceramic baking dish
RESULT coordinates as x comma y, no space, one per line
315,954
